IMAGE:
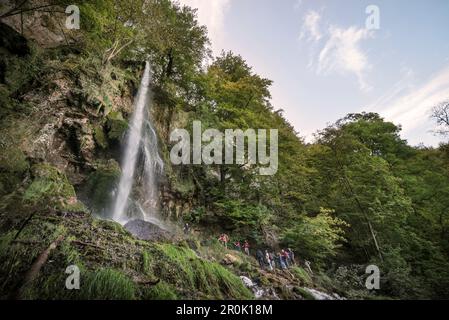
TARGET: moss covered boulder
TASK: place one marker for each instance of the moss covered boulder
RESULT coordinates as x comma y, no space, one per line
52,188
101,182
116,126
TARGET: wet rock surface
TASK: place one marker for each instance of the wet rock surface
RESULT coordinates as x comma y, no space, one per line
146,230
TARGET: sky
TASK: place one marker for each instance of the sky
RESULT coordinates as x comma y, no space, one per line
326,61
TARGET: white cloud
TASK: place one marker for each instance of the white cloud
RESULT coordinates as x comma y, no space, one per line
410,105
311,26
342,53
211,13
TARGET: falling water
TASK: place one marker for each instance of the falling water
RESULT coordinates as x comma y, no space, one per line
141,152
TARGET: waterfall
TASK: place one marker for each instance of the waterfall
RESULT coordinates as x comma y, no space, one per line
140,152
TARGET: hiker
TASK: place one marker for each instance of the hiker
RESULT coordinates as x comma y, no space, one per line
268,260
246,247
308,268
291,256
281,261
272,260
259,256
186,228
238,246
284,256
226,240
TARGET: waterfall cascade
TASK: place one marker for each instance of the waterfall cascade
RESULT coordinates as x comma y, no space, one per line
137,194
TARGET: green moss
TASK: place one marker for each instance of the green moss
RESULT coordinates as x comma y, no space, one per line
109,225
17,257
116,125
101,182
108,284
302,276
100,137
13,160
145,262
183,268
5,241
13,165
304,293
100,248
51,187
245,266
160,291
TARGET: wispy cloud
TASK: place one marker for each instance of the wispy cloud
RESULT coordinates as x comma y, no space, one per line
342,53
311,26
411,105
211,13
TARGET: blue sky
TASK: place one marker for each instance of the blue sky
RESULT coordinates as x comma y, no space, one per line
325,63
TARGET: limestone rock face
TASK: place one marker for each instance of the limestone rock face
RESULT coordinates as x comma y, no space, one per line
47,30
81,133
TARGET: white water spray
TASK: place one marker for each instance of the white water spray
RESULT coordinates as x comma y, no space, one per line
141,144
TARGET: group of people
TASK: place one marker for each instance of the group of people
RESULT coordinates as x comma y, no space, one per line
284,259
239,246
242,245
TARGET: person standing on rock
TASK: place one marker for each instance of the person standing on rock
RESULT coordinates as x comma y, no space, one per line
291,256
268,260
246,247
225,240
281,261
272,260
186,228
259,256
221,239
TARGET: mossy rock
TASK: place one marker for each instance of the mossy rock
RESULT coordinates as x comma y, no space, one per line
303,293
13,160
113,265
160,291
9,182
103,284
182,268
101,182
116,126
51,187
100,137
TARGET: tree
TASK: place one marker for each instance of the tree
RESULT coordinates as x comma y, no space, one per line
316,238
441,114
